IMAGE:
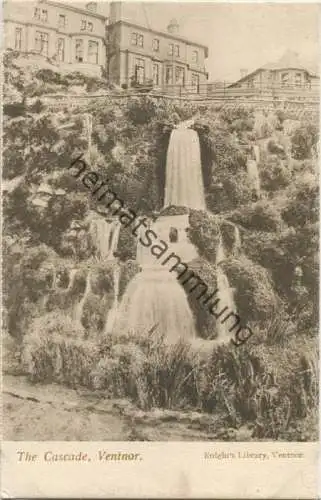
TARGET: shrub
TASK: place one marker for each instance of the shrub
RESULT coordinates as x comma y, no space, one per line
302,206
205,322
15,110
254,294
128,271
303,139
274,174
174,210
55,350
228,191
36,107
140,111
204,233
230,235
260,216
127,245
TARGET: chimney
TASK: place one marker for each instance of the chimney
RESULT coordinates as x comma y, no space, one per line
244,72
115,12
92,6
173,27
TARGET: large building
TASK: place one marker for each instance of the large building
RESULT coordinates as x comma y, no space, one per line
286,73
68,35
77,37
139,54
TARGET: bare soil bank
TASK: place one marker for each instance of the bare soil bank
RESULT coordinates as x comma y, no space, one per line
54,413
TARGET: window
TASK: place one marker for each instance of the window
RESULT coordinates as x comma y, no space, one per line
195,83
36,13
179,76
137,39
155,74
41,43
83,25
156,45
79,50
44,15
176,50
18,38
62,21
90,26
173,235
61,49
93,52
139,70
284,79
171,49
169,75
195,56
298,79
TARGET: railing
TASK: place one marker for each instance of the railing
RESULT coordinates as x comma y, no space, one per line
225,90
307,98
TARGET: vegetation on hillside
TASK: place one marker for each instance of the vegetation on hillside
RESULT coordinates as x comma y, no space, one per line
270,383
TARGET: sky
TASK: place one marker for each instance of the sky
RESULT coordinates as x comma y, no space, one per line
239,35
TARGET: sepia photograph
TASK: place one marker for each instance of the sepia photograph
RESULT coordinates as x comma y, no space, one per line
160,224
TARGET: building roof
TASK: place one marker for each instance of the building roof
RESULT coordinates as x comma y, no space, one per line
75,8
289,60
172,36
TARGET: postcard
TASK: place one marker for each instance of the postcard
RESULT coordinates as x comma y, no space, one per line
160,249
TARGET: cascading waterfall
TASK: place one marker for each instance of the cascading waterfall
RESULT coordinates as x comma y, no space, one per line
114,239
155,300
105,237
256,151
72,276
184,182
225,295
253,175
112,313
237,242
80,307
143,253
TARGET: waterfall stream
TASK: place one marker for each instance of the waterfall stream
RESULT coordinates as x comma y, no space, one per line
225,295
78,312
105,237
72,276
237,242
253,175
154,299
112,313
184,182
